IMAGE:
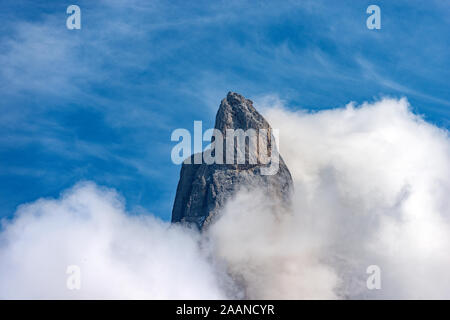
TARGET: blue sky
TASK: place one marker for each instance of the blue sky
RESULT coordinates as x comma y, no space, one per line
100,103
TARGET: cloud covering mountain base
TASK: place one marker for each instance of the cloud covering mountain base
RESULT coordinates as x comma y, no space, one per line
371,188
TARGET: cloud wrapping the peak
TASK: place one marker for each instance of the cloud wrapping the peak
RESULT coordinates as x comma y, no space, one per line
371,188
372,183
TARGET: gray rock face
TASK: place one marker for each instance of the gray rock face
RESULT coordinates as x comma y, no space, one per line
204,189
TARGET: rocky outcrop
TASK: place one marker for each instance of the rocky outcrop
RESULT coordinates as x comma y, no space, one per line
203,189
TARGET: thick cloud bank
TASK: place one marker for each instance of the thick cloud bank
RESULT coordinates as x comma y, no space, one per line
371,188
119,255
372,183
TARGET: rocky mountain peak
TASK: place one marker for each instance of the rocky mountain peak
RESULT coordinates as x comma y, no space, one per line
204,189
237,112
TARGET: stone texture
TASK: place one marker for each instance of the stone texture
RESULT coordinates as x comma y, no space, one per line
203,189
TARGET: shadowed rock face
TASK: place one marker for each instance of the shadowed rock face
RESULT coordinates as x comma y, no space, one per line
203,189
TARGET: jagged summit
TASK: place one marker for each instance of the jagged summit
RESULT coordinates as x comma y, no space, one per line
203,189
237,112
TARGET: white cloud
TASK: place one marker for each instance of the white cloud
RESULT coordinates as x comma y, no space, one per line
270,252
120,255
372,185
